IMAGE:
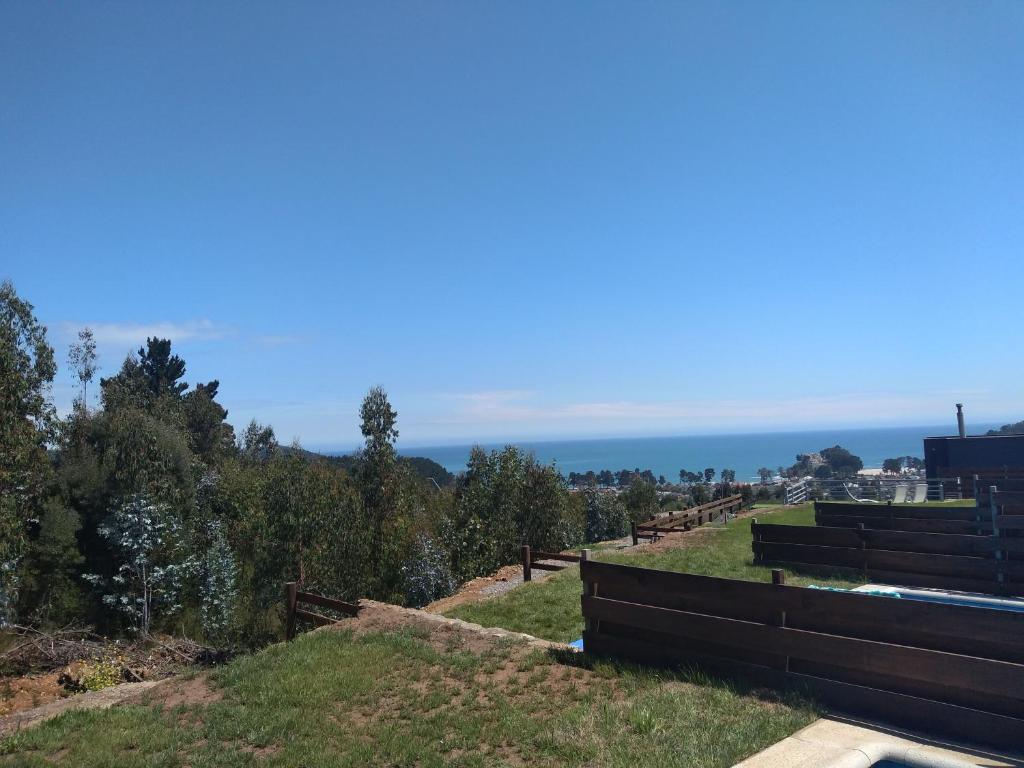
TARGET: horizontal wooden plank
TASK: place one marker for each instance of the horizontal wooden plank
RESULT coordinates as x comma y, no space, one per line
809,554
649,531
955,628
328,602
933,543
937,667
806,534
907,524
875,538
941,719
550,566
813,546
317,618
849,508
1010,522
896,510
538,555
938,565
693,514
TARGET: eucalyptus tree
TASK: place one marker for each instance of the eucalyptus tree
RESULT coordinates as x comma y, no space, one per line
27,421
82,359
377,470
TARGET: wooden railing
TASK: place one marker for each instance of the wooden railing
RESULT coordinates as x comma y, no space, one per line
687,519
532,558
294,598
949,669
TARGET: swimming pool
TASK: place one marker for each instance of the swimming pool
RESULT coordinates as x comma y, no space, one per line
948,597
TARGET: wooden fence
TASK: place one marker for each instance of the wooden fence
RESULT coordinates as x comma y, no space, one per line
988,564
903,517
953,670
687,519
532,558
293,598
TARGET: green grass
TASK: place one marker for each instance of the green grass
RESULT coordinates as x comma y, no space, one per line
551,608
334,699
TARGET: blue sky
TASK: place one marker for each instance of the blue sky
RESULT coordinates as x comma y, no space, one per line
529,220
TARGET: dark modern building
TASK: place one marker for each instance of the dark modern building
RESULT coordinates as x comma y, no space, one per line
996,452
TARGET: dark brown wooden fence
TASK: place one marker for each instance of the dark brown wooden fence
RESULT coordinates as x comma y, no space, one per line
988,564
532,558
953,670
294,598
903,517
686,519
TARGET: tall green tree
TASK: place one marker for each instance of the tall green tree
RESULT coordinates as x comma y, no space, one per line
641,499
82,359
210,436
27,421
161,369
377,468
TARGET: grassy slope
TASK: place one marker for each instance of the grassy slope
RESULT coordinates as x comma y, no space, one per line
332,699
551,608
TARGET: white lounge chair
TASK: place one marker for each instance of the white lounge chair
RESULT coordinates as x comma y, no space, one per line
900,494
920,493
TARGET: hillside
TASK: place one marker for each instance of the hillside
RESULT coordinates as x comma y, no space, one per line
420,466
400,687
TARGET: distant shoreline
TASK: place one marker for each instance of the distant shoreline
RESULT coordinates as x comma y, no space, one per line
666,455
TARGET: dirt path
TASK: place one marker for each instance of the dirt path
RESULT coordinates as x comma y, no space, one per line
511,576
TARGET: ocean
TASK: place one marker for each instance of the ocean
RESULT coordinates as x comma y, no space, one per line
743,453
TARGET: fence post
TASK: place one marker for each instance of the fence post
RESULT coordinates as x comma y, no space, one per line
291,597
995,533
632,532
527,575
755,537
591,625
779,580
977,506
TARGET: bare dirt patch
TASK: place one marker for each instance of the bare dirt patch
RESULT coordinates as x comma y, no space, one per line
440,632
18,694
107,697
187,692
484,587
512,667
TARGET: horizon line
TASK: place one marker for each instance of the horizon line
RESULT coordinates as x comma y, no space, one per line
491,442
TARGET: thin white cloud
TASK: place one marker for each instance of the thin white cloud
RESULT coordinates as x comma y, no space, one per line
522,409
130,334
280,340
